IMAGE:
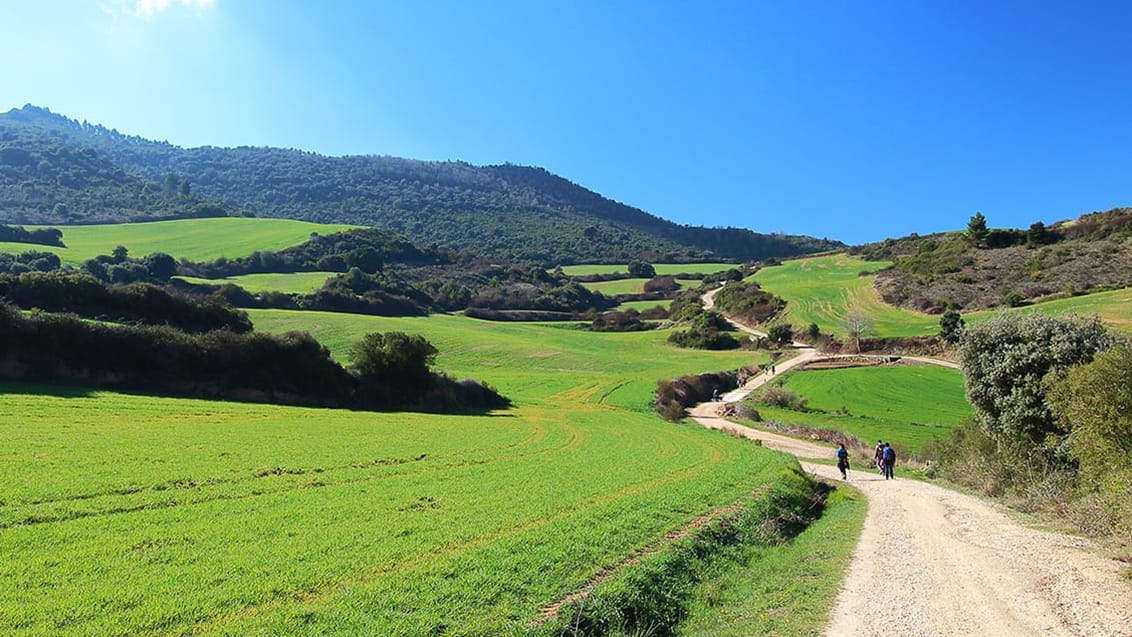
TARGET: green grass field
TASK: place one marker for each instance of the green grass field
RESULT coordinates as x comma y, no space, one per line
784,591
293,283
905,404
126,514
194,239
662,269
620,286
825,289
641,306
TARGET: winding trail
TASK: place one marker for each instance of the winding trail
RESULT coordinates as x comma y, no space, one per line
934,562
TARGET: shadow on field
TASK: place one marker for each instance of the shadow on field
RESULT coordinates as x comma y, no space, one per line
35,389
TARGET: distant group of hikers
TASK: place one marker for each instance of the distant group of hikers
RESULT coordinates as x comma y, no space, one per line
884,457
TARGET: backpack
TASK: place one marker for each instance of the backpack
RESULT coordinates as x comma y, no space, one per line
842,454
889,454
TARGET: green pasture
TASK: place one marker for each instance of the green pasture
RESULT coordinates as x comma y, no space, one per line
526,361
126,514
289,283
905,404
662,269
641,306
1114,307
825,289
194,239
784,591
626,286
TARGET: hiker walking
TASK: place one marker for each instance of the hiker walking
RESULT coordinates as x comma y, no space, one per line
889,457
843,461
878,457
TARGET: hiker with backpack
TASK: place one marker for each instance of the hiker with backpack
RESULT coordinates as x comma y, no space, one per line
878,457
843,461
889,460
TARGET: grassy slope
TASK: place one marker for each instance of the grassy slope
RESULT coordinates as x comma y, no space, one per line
825,289
195,239
293,283
219,517
906,404
662,269
786,591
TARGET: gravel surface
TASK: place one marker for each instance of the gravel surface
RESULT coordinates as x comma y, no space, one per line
935,562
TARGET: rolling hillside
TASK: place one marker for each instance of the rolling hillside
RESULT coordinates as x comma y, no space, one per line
507,211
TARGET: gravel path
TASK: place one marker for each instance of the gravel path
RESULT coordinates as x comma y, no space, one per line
935,562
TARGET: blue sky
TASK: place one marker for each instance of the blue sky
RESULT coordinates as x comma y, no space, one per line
850,120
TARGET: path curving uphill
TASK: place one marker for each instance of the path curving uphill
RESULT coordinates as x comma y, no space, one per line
934,562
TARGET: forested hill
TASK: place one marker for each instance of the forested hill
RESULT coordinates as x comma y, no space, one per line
506,211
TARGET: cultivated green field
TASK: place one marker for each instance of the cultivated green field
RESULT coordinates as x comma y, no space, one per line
293,283
625,286
905,404
125,514
825,289
641,306
662,269
194,239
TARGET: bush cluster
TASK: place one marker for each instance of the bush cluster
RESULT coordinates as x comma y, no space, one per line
143,303
674,396
392,370
42,236
1051,428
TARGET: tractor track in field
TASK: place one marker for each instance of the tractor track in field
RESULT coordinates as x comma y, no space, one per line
935,562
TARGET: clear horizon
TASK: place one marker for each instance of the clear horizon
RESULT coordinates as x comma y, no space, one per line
852,121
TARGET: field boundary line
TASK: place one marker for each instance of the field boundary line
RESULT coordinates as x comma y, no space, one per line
550,612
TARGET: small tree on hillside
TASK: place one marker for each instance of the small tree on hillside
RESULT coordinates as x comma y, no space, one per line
977,229
641,270
781,334
857,326
951,326
393,368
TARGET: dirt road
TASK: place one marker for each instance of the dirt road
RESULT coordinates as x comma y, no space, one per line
935,562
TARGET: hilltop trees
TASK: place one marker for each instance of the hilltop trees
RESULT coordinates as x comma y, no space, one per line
977,229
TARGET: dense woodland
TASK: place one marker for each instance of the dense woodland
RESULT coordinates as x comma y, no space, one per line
56,170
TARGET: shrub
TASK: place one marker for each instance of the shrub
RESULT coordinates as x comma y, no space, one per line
778,396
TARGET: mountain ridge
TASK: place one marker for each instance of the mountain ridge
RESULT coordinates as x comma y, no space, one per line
499,211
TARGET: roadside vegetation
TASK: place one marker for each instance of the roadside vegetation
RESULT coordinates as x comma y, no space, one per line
1051,431
679,587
